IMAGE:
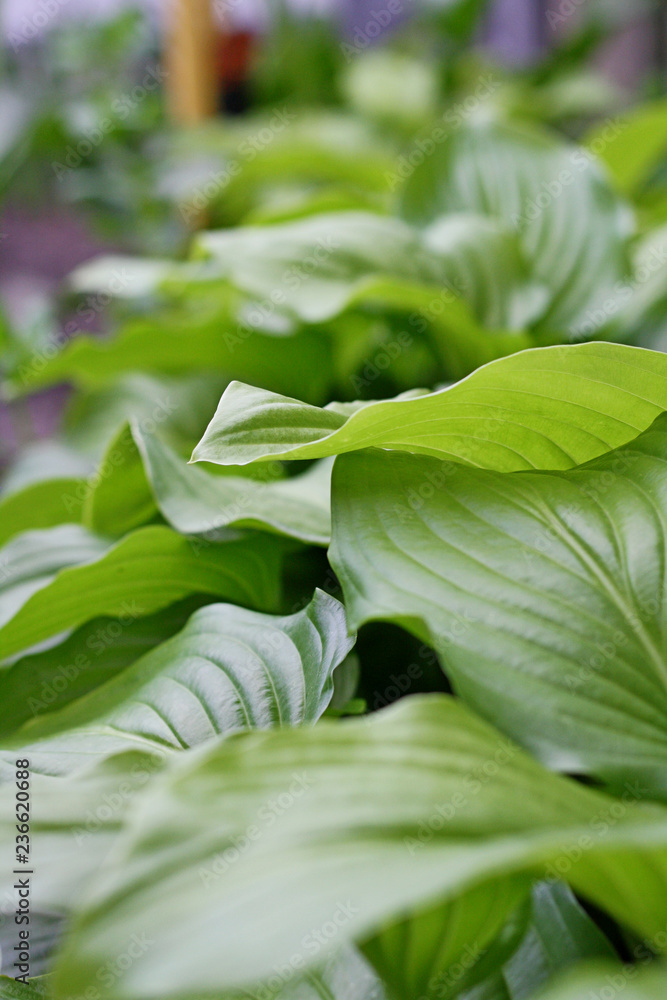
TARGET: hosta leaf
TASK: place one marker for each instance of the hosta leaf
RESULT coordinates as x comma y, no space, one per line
419,956
150,568
39,505
31,560
572,227
633,145
150,476
554,407
460,341
45,681
560,934
610,981
543,592
74,823
198,340
315,847
319,266
35,989
311,265
119,498
228,670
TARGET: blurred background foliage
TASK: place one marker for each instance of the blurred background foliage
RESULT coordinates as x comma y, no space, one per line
425,141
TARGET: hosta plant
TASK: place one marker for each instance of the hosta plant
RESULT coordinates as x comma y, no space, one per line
219,810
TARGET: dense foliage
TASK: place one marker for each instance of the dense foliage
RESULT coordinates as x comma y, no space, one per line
360,699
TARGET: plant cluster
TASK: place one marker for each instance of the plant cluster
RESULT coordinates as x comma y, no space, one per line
328,684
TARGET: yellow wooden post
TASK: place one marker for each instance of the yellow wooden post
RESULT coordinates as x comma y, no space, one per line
190,61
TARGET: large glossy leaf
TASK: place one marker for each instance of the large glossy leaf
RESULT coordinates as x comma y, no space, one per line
572,227
148,570
554,407
543,592
228,670
47,680
264,841
149,476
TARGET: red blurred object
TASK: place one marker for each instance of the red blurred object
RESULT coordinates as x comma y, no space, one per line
234,55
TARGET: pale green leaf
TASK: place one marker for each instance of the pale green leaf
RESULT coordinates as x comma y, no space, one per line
148,570
228,670
572,228
147,476
314,835
543,592
631,145
554,407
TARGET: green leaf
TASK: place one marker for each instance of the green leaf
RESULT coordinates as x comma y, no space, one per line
418,957
315,847
44,682
228,670
554,407
10,989
146,476
321,265
119,498
75,821
572,227
543,593
148,570
633,145
39,505
559,935
200,338
31,561
611,980
311,266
